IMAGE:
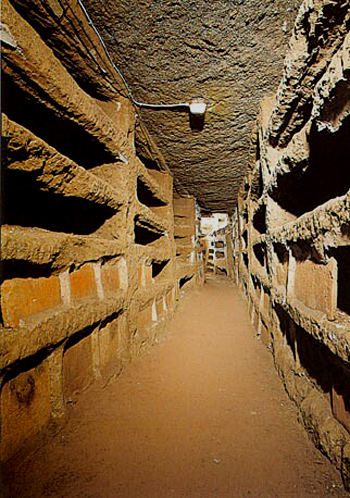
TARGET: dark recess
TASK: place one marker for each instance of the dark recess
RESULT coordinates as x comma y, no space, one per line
259,252
320,364
145,195
342,255
184,281
157,268
221,271
245,259
10,268
326,177
259,219
143,234
74,339
22,366
24,204
144,157
281,252
244,215
94,83
61,133
255,283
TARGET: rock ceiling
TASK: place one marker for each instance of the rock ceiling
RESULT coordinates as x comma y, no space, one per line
228,52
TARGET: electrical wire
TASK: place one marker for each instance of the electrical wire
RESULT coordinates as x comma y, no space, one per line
179,107
91,56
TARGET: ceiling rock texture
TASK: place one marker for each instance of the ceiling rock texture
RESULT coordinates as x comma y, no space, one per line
228,52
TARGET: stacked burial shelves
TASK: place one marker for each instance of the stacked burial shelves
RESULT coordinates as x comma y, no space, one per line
188,256
292,250
88,272
154,248
217,252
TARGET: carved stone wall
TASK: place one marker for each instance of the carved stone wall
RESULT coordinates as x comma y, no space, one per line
89,271
292,244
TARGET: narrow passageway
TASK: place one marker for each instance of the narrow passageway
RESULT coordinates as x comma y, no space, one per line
203,414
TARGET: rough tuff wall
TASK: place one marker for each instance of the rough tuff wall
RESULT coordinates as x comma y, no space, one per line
292,230
90,272
229,52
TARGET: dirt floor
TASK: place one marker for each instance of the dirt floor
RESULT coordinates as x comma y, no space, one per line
203,414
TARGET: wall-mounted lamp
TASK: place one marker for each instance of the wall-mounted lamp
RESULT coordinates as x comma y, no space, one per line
197,114
196,109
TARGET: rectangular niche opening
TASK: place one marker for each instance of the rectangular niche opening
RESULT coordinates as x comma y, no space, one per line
259,252
245,259
342,255
221,271
319,364
24,204
244,217
325,177
259,219
67,137
314,357
219,244
256,284
145,233
245,238
282,260
158,268
148,162
21,268
145,195
281,252
184,280
219,254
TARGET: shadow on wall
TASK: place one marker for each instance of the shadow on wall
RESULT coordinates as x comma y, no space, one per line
197,122
327,175
324,368
60,132
342,255
28,206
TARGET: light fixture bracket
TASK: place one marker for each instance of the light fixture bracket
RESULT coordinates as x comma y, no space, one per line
198,107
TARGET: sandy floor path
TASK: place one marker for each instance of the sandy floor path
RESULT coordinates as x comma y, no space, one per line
202,415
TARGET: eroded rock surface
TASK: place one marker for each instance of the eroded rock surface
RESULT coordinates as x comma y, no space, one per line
231,53
89,270
292,227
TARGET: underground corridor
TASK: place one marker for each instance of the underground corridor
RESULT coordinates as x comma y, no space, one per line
175,249
202,414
